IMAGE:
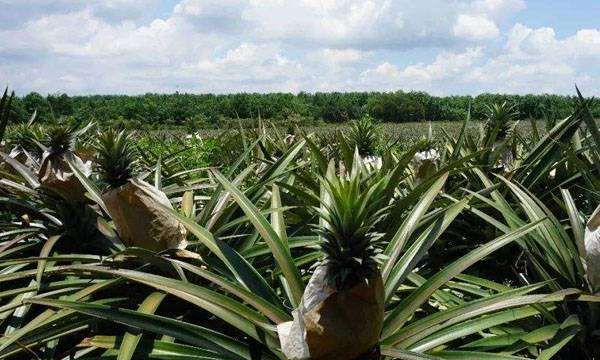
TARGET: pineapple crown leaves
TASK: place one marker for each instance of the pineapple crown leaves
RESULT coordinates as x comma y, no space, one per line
351,207
426,144
62,137
116,158
364,134
500,120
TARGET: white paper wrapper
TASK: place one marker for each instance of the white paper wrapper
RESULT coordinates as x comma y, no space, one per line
292,339
425,164
140,221
592,250
373,162
333,324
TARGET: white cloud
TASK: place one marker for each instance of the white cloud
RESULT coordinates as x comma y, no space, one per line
121,10
221,16
524,42
475,27
533,60
249,67
446,66
17,12
498,9
337,57
374,24
536,60
123,46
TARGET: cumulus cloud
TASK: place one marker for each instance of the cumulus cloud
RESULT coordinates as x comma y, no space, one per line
132,46
250,67
475,28
531,60
338,57
446,66
220,16
15,13
536,60
524,42
370,24
498,9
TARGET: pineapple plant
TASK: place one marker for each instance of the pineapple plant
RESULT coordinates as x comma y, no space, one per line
342,308
500,118
592,272
425,162
55,174
24,140
364,134
5,106
22,144
138,209
499,126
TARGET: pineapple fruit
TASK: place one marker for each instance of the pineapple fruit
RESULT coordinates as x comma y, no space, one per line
55,174
498,128
341,312
136,207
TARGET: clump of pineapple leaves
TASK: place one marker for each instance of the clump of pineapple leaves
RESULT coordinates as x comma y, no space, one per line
260,225
354,204
115,157
365,135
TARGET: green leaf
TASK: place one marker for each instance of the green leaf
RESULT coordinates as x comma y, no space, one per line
131,340
278,248
231,311
193,334
568,329
422,328
239,267
42,262
91,188
420,246
472,355
396,244
405,354
397,317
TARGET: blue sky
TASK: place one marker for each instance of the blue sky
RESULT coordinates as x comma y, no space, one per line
440,46
566,17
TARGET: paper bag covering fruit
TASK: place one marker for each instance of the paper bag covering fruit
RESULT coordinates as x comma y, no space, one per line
141,221
332,323
592,251
56,176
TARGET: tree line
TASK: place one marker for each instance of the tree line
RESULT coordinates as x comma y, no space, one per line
215,110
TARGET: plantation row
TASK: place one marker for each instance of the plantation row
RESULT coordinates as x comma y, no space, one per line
484,244
206,111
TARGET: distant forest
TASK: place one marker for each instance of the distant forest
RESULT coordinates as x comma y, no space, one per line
208,110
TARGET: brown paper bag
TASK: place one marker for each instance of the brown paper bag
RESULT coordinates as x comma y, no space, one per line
332,323
140,220
56,175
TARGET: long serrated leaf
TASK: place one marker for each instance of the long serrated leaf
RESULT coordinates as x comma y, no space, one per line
280,252
396,244
243,271
193,334
131,340
43,254
397,317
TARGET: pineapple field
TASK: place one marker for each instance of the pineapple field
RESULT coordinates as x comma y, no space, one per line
479,241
